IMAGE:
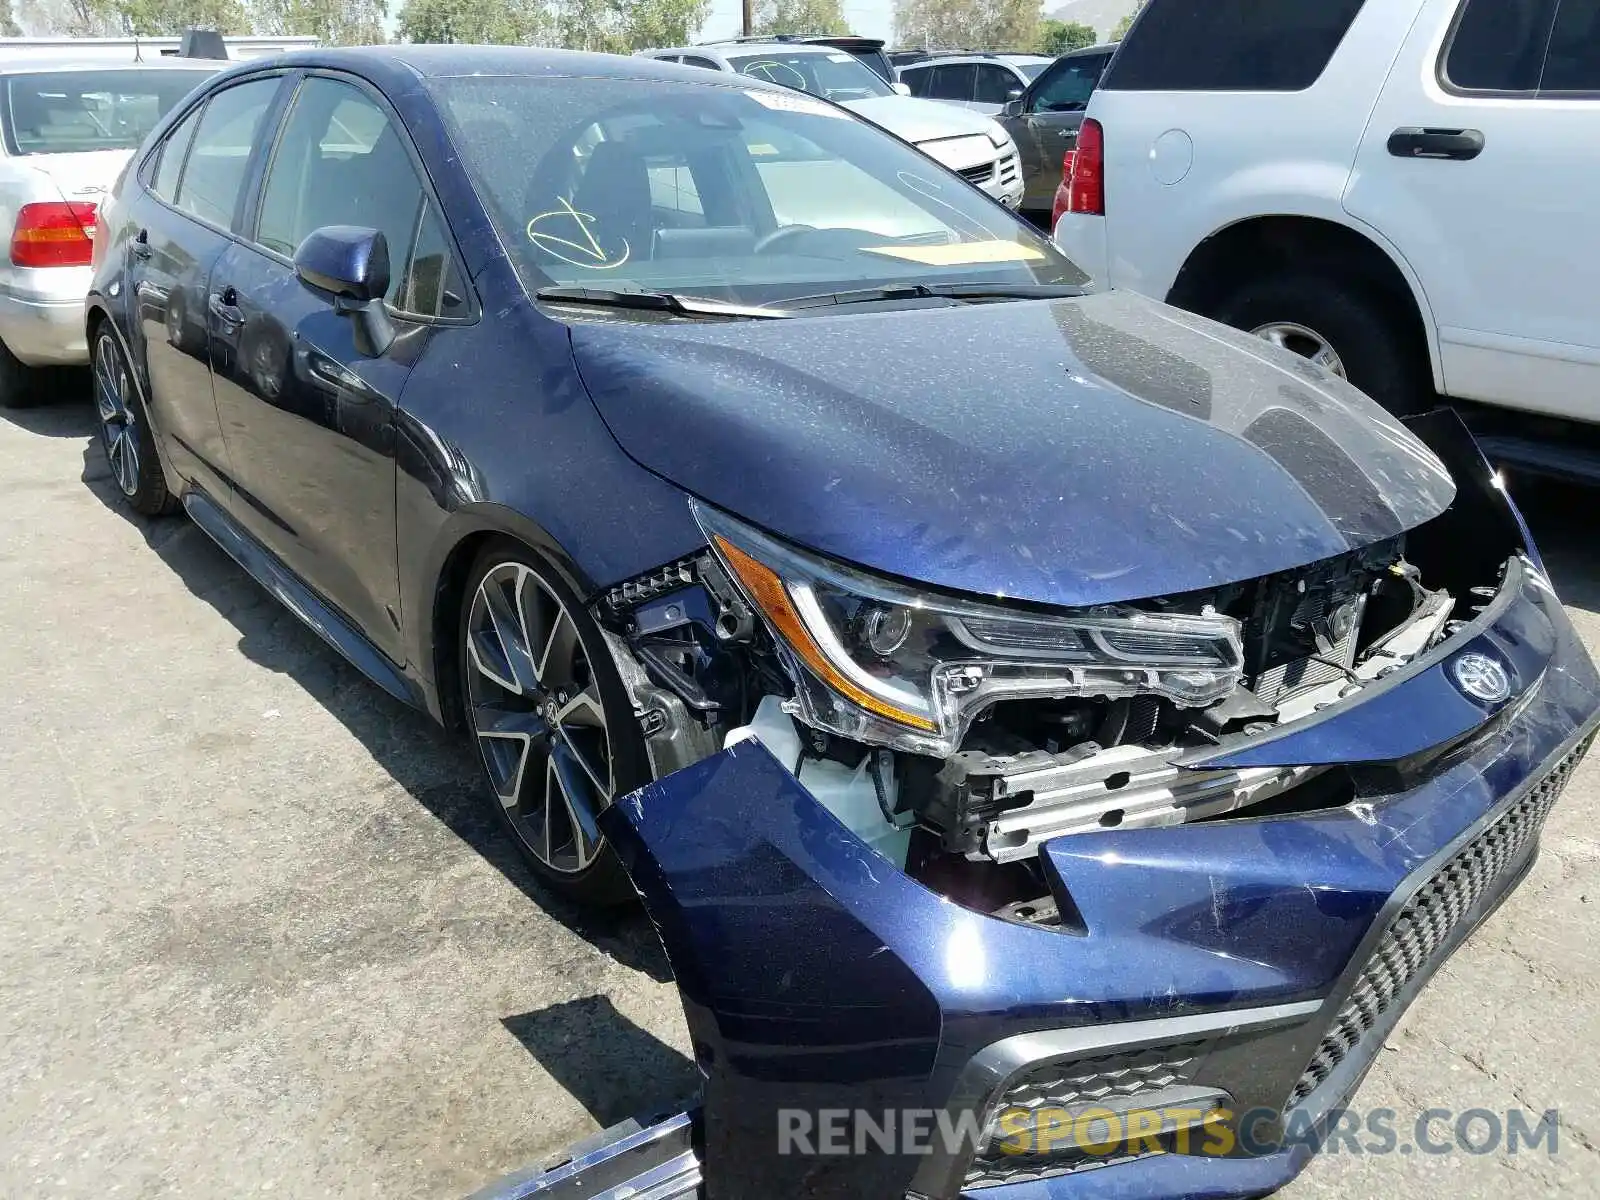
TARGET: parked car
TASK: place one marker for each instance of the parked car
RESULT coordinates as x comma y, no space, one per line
985,83
999,694
68,128
975,147
1043,122
1426,229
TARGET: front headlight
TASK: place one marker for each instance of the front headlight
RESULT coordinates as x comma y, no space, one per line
883,662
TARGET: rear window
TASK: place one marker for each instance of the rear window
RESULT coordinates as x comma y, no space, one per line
61,112
1498,45
1230,45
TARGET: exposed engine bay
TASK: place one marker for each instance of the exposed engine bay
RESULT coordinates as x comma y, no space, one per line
955,738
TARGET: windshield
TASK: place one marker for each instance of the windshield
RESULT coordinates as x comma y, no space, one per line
1030,71
836,76
742,194
59,112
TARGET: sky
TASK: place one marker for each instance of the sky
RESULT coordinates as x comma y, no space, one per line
869,18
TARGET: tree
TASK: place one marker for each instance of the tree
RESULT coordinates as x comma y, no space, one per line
504,22
623,26
72,18
1122,27
335,22
8,21
1057,37
774,17
967,24
168,18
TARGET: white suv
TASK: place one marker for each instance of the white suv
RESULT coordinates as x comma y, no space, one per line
1404,190
970,144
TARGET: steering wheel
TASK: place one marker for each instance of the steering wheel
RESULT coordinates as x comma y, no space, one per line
779,235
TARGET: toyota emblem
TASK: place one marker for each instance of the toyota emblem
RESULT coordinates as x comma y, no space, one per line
1482,678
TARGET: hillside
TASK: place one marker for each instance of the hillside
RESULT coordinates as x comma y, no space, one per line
1102,15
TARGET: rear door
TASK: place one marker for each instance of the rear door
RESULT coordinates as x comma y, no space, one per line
953,82
309,420
1047,126
194,188
1479,163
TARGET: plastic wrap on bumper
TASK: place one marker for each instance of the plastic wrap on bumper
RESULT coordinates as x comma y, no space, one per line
817,976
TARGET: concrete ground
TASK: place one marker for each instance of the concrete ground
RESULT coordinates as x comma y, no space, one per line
257,935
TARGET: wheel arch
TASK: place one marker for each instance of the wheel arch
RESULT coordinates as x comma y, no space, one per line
442,590
1255,245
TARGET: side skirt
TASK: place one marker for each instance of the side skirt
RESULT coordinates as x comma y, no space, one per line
320,617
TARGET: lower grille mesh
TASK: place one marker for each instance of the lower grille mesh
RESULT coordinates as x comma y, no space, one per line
1426,922
1080,1082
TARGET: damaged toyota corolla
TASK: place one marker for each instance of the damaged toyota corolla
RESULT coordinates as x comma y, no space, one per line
1011,703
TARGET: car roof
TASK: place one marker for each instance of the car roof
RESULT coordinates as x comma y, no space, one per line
397,63
1102,48
1005,60
22,64
727,48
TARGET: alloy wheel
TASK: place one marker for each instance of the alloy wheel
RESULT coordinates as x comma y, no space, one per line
538,717
1307,343
119,428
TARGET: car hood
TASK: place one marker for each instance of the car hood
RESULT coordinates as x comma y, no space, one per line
919,121
1069,452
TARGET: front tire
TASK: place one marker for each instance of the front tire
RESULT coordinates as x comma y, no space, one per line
1342,325
547,710
125,432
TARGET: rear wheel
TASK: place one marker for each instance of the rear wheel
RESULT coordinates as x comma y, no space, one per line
1342,325
125,432
547,710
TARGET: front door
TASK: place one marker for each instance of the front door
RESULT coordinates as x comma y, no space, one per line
195,189
309,419
1480,168
1047,126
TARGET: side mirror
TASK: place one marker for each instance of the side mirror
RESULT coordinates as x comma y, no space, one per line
352,263
1013,94
901,89
1013,108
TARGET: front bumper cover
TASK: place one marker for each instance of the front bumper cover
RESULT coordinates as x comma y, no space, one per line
816,976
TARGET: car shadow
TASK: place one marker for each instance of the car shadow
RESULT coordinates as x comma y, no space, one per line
1557,513
65,408
611,1066
434,769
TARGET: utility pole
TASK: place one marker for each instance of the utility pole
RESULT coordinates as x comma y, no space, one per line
749,17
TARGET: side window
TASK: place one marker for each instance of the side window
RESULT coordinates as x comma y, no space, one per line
1498,45
431,284
1573,61
339,161
1067,86
220,155
917,80
1230,45
995,85
689,60
169,165
952,82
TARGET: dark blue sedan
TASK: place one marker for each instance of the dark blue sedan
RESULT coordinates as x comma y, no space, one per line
1039,710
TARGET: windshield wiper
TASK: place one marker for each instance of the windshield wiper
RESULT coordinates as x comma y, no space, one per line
925,291
669,302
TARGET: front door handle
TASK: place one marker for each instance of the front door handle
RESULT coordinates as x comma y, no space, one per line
224,306
141,244
1411,141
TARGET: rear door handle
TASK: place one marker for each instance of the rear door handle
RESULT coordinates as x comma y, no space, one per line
1412,141
141,244
224,305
